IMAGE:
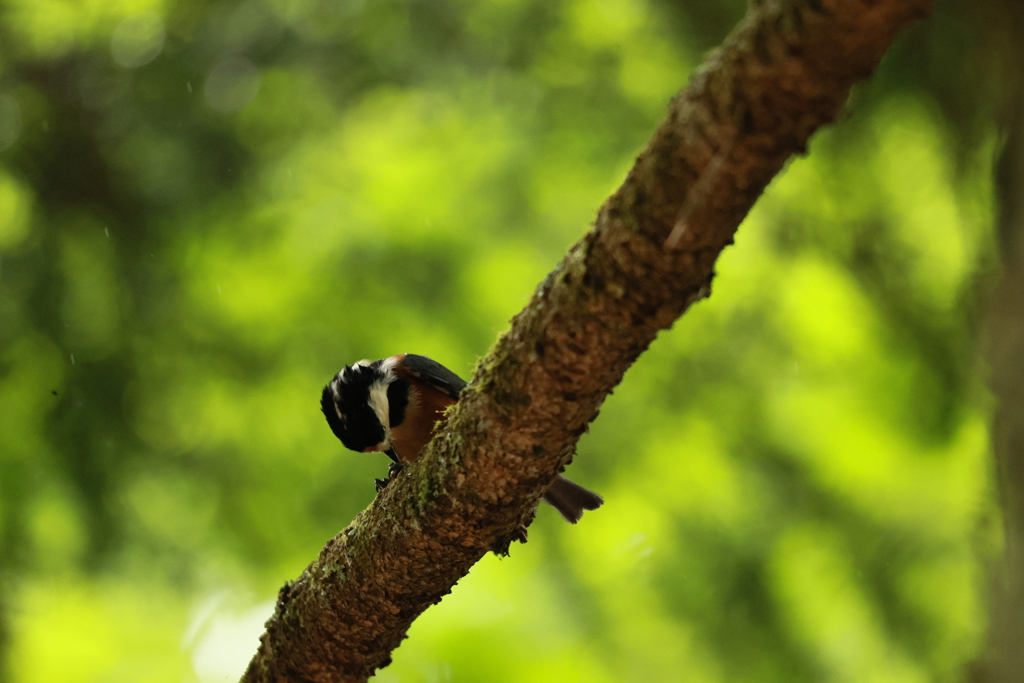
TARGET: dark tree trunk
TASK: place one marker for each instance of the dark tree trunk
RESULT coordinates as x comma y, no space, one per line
1003,661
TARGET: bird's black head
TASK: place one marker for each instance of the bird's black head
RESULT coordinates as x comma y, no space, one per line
348,406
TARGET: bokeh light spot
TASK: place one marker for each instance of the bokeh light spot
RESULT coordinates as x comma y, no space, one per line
137,40
232,84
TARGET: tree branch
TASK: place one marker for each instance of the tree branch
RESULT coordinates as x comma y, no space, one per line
784,71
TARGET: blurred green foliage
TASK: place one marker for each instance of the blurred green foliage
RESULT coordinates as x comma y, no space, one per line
207,208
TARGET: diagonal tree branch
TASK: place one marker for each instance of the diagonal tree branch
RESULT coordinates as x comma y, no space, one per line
786,70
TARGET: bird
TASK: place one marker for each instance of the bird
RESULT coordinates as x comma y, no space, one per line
395,405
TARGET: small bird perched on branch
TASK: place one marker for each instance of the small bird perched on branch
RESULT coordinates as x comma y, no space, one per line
394,404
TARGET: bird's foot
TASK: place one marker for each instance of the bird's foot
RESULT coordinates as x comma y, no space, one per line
393,471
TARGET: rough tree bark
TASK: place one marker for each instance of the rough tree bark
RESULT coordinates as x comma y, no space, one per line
785,70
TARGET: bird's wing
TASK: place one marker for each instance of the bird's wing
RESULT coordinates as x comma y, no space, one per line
434,374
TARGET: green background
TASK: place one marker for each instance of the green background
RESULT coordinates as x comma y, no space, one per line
207,208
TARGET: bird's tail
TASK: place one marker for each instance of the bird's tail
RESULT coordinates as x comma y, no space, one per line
571,499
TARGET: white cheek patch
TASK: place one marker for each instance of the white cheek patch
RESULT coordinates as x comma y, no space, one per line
379,404
386,367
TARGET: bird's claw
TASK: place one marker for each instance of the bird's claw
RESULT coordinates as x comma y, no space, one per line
393,470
